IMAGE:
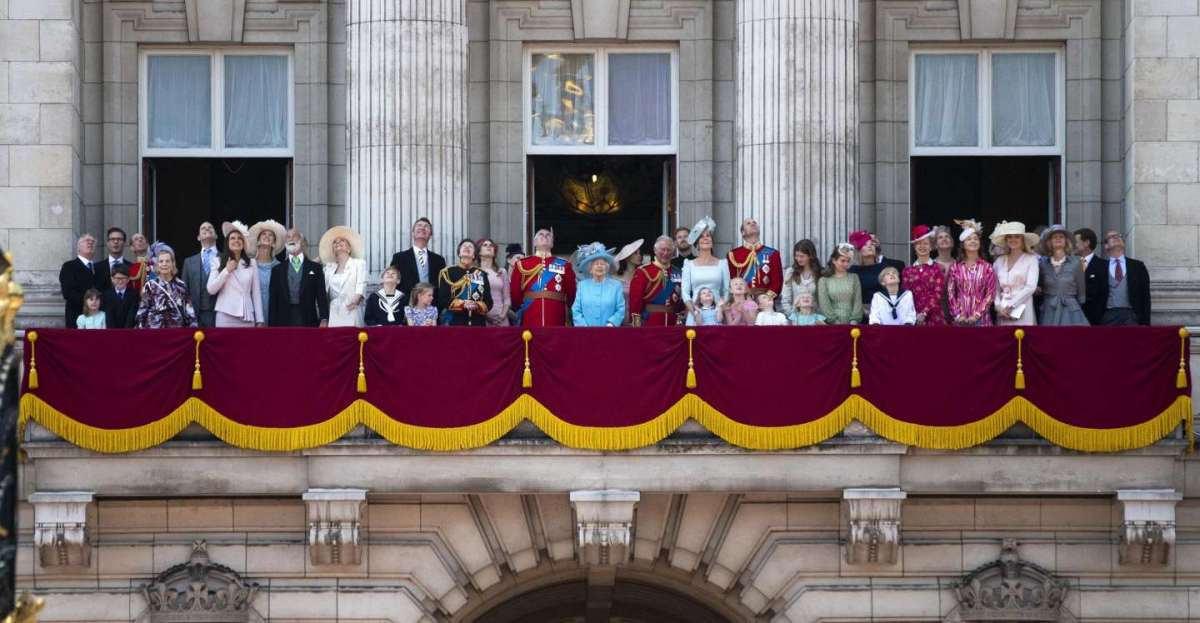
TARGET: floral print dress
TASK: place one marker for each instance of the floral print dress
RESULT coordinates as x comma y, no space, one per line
928,287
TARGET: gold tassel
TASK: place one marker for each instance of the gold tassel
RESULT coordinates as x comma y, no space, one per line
855,376
362,375
197,382
1181,379
33,375
1020,380
527,376
691,373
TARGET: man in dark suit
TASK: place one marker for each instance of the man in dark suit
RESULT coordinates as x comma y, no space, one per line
195,275
298,297
121,302
1126,282
114,241
417,263
78,276
1094,274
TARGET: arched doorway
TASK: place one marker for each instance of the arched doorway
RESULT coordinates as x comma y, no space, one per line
604,596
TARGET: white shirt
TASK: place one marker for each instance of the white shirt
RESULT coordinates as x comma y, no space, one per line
421,255
86,261
113,260
1087,259
881,309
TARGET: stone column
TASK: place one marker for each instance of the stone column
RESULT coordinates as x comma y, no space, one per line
796,134
406,118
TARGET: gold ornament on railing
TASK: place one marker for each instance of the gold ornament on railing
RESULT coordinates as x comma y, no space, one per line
855,376
197,382
362,374
1019,383
691,373
12,296
32,336
1181,380
527,375
27,609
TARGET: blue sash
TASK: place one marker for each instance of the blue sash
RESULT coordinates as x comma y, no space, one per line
464,295
761,257
539,285
665,292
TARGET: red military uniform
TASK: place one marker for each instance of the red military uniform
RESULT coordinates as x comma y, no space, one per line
654,295
760,267
542,290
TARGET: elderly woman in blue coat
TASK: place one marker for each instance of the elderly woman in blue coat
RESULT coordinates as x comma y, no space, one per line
599,297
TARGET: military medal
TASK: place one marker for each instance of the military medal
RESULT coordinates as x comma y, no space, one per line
766,268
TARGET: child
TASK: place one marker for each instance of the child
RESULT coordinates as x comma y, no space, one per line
805,313
767,316
420,311
709,312
385,307
120,304
91,318
742,308
892,306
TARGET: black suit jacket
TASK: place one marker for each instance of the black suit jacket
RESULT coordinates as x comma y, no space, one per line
119,312
314,300
406,262
1137,278
74,278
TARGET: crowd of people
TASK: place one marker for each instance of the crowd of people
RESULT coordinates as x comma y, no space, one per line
263,277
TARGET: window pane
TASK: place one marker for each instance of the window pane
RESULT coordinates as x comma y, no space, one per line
256,101
179,101
639,99
563,90
947,100
1023,111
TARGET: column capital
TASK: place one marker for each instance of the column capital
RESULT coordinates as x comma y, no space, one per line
873,535
60,530
604,524
334,525
1148,528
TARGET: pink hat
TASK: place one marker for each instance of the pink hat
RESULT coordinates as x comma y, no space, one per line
860,238
921,232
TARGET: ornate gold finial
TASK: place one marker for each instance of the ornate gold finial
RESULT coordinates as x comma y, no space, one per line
12,296
27,609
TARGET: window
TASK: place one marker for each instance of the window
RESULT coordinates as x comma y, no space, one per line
205,103
987,102
601,101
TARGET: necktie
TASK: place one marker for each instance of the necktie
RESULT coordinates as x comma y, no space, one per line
421,258
1120,274
296,263
90,269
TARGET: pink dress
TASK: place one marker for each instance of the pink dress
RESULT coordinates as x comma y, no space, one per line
497,316
742,314
927,284
971,290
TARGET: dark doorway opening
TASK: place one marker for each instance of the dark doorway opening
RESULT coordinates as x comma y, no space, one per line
181,193
612,199
989,189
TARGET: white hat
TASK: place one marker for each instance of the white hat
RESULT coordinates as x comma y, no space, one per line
270,225
701,226
629,249
1013,228
228,227
969,226
357,249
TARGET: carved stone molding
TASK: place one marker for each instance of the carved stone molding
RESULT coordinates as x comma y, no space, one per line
60,528
1148,530
874,531
215,21
199,590
334,523
600,19
1010,589
604,522
988,19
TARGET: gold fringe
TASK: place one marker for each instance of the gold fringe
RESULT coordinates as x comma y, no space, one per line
362,375
1181,380
526,407
197,382
855,376
33,375
527,375
690,381
1019,383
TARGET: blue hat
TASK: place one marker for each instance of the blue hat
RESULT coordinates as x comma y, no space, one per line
588,253
701,226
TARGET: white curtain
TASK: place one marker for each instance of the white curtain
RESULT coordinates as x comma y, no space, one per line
179,101
1023,100
639,99
256,101
563,91
947,100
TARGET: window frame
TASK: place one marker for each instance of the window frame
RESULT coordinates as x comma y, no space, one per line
984,128
216,148
601,54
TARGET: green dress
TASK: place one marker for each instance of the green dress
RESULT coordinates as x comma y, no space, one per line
840,299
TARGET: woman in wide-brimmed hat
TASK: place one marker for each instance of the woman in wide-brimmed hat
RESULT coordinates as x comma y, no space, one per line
599,301
1062,280
629,260
706,269
971,283
341,251
925,279
233,279
1016,274
267,236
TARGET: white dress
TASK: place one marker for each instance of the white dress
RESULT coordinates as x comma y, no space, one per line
1015,287
770,319
342,288
715,277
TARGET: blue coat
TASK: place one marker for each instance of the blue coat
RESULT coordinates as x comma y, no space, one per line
597,304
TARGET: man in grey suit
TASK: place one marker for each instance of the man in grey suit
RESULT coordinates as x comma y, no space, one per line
195,274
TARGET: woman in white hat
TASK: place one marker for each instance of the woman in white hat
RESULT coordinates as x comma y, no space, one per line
341,251
629,259
704,270
1064,290
233,279
268,235
1017,274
